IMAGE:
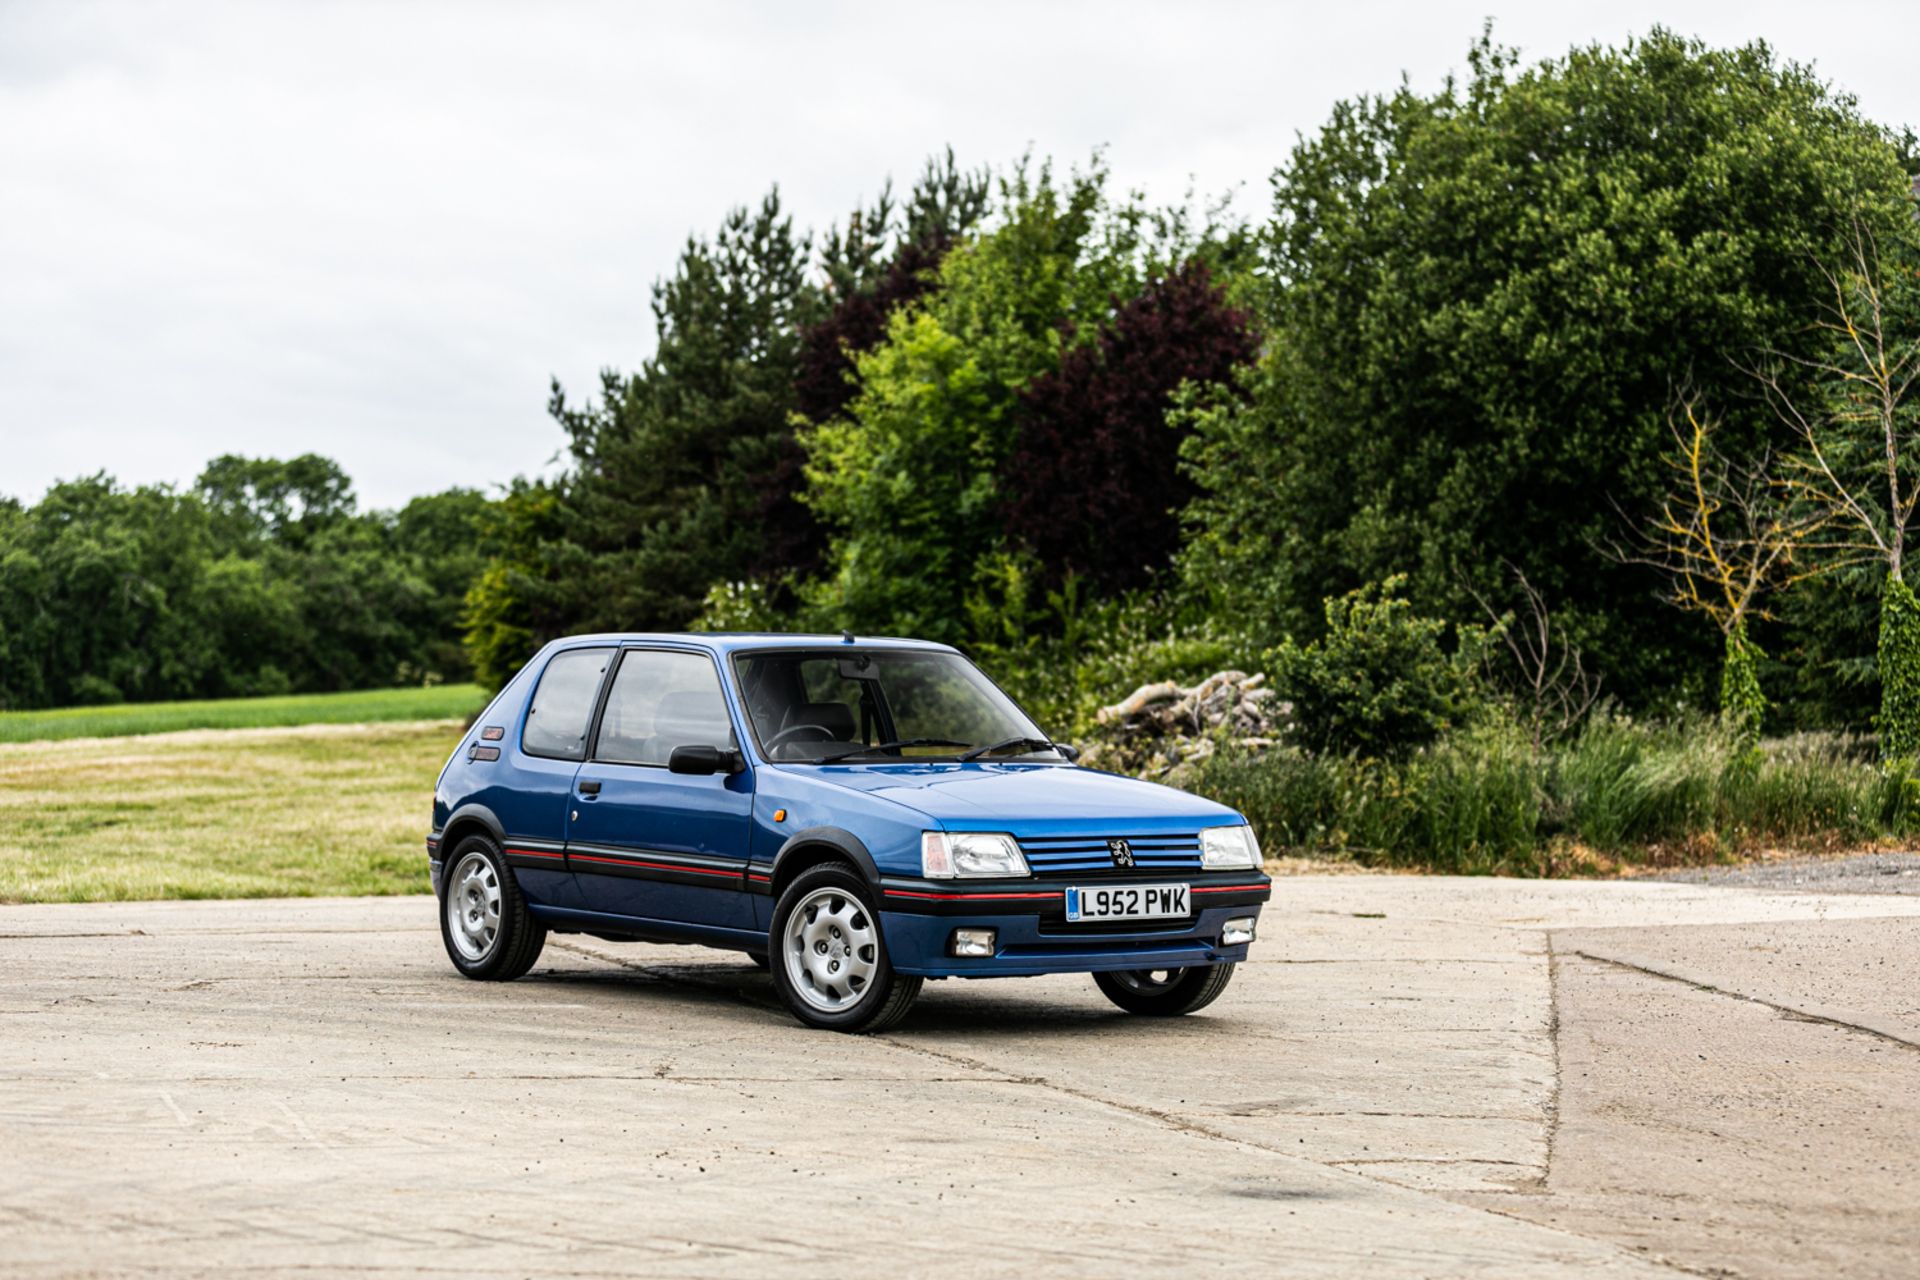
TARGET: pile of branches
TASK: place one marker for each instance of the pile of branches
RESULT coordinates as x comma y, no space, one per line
1162,730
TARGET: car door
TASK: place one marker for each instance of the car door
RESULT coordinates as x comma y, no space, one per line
644,841
532,793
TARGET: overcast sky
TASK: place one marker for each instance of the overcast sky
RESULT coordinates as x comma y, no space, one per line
375,231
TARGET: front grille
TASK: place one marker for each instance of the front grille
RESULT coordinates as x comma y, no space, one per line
1054,855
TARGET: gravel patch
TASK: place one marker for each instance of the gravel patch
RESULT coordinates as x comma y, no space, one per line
1855,873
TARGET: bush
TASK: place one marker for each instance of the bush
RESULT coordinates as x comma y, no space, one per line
1379,682
1482,801
1899,720
1468,805
1478,803
1063,658
1623,783
1741,700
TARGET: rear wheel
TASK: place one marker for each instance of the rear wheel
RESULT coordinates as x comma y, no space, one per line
1165,993
828,960
489,933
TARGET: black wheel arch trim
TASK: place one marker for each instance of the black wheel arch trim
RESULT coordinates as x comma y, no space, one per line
836,838
470,813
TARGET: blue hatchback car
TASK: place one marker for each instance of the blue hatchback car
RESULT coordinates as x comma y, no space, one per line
857,815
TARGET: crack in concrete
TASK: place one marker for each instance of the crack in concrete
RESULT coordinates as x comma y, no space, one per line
1552,1136
1179,1124
1804,1015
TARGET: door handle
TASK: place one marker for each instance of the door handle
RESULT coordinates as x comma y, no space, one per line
589,787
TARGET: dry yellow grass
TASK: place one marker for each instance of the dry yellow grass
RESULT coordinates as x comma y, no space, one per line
233,813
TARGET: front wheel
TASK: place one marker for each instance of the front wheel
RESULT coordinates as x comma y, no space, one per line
1165,993
490,934
828,960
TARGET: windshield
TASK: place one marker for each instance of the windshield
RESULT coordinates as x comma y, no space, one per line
814,706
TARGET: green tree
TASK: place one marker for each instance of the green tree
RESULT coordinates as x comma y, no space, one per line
261,579
1481,299
665,492
287,501
905,482
909,480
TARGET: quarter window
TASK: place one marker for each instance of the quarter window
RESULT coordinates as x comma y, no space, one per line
563,704
662,699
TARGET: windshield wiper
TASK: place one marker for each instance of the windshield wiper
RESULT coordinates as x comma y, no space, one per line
888,746
994,748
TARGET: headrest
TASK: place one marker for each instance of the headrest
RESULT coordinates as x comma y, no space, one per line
693,715
835,717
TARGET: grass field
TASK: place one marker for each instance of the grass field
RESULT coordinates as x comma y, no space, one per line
443,702
322,809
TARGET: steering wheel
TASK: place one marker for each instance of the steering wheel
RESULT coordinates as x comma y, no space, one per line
820,734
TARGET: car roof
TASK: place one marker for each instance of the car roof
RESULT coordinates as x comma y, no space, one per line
725,642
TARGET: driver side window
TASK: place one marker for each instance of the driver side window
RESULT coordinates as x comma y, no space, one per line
660,700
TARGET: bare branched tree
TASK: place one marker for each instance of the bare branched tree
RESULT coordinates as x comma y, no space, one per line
1549,675
1858,465
1858,470
1727,534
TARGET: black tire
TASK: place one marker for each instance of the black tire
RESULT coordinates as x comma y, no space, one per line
882,998
1148,992
517,937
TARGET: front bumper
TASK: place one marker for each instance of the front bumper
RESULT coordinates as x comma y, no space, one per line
1034,937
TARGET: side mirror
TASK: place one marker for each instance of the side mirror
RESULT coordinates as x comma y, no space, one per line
702,760
1067,749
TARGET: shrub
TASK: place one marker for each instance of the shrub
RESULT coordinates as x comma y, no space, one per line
1477,801
1899,720
1482,800
1741,700
1062,657
1622,782
1471,804
1379,682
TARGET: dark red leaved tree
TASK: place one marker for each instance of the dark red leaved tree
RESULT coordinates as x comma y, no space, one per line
1093,484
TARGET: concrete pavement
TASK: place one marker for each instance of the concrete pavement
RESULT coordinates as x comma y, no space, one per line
1432,1077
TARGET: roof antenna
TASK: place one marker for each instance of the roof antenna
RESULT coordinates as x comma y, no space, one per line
846,637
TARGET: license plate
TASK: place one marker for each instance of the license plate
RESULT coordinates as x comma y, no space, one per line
1128,902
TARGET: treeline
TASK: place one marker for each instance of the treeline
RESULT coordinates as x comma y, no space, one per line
1097,440
261,578
1100,441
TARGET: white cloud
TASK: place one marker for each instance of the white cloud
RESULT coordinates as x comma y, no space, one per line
374,231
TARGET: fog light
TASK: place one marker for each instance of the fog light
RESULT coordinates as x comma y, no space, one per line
1237,932
972,942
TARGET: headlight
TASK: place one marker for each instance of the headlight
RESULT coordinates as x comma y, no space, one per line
945,855
1229,849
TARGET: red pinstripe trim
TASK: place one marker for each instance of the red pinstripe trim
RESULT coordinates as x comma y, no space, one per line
755,875
965,897
657,866
1227,888
533,853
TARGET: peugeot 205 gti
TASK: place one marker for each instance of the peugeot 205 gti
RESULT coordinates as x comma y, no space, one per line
856,815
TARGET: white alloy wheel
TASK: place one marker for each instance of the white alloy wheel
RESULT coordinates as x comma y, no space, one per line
473,907
831,949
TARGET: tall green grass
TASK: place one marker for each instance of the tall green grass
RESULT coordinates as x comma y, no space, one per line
1484,801
441,702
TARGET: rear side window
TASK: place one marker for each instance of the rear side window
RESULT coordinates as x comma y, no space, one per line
562,705
661,700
